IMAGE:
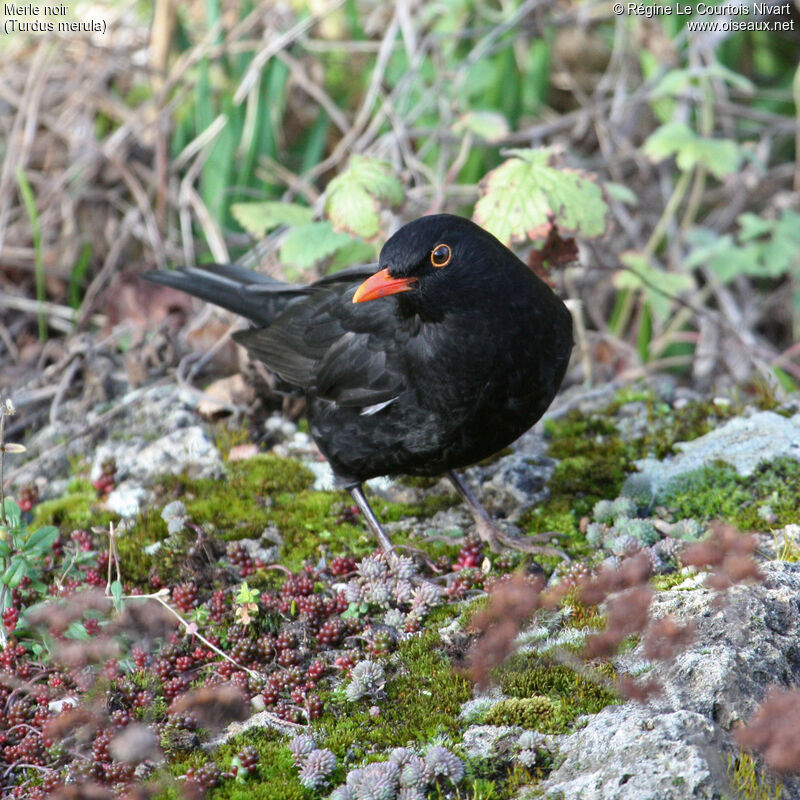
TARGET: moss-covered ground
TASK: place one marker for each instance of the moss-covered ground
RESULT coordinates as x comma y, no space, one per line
423,694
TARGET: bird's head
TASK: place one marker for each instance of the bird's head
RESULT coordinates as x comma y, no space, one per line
434,260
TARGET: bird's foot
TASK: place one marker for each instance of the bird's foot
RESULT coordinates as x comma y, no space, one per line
491,533
500,540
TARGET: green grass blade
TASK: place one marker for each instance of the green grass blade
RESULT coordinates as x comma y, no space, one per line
33,215
77,275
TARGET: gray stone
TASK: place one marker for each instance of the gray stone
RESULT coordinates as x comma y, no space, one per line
628,753
483,742
150,422
743,442
677,745
744,641
186,449
126,499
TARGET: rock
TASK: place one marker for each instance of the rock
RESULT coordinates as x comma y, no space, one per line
483,742
743,644
628,753
185,450
743,442
126,499
516,482
676,746
156,429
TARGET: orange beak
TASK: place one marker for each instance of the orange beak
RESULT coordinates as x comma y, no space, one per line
381,284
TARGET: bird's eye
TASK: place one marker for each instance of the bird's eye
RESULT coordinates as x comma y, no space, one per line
441,255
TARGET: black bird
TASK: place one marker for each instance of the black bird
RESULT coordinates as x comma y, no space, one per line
444,356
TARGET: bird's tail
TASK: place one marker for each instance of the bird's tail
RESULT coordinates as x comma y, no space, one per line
251,294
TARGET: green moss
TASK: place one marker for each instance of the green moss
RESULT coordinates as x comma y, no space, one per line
136,562
667,426
422,701
593,465
537,712
77,508
718,491
227,436
664,583
418,481
268,490
275,777
526,676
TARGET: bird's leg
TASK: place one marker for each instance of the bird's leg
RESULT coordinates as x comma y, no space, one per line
357,493
487,530
497,539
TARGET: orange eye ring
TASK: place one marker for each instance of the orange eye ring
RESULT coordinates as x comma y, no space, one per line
441,255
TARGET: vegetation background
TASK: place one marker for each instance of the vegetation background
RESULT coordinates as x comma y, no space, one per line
644,163
296,136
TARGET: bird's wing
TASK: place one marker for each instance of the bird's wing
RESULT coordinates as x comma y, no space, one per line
333,348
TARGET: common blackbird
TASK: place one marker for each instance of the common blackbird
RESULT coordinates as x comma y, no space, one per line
445,355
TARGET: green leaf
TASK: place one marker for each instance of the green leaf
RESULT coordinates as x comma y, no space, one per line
258,218
76,630
526,195
41,541
15,571
658,287
357,252
675,82
706,246
13,513
5,550
354,198
305,245
751,226
763,248
246,594
620,192
490,126
720,157
116,593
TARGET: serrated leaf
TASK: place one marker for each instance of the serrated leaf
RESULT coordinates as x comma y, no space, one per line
658,287
354,198
751,226
305,245
258,218
720,157
620,192
705,246
491,126
526,195
781,253
675,82
763,248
